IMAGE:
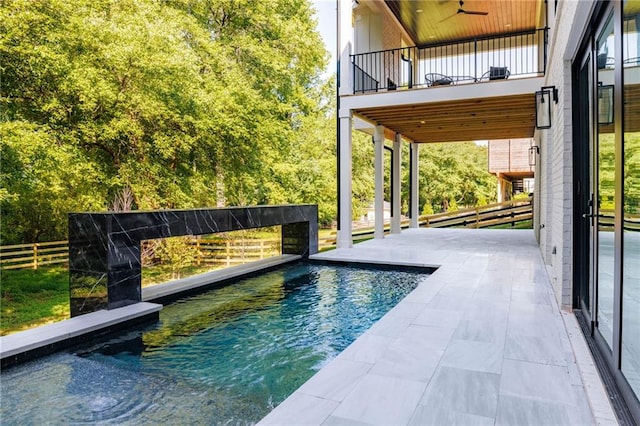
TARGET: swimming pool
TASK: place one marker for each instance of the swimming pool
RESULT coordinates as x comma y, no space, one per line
228,355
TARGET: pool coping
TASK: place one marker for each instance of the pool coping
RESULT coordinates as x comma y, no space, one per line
36,342
195,283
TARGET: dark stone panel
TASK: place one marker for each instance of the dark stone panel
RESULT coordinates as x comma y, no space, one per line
87,242
104,248
294,237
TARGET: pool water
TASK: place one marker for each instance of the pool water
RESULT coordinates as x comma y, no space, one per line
227,356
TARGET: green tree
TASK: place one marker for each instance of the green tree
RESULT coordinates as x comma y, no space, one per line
454,174
183,103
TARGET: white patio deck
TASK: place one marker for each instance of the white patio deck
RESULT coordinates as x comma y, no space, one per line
481,341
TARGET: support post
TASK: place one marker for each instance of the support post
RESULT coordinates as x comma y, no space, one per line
345,239
395,171
378,203
345,30
414,197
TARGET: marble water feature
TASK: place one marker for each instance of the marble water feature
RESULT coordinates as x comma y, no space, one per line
105,268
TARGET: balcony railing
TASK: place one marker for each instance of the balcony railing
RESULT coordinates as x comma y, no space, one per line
522,54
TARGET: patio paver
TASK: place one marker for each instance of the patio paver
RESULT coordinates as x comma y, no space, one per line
481,341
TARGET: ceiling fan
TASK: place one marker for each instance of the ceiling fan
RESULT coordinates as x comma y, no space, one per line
462,11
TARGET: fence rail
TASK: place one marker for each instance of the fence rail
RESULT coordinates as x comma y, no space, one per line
479,59
210,252
34,255
509,212
232,252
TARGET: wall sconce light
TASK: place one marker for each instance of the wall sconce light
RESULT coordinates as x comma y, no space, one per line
534,151
543,106
605,104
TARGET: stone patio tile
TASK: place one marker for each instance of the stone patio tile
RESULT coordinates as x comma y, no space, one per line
439,318
367,348
476,356
429,416
381,400
465,391
531,380
514,410
408,358
336,380
300,409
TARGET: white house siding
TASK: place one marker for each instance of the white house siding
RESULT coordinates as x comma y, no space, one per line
556,179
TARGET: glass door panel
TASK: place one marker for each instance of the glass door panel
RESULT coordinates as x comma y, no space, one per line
584,152
605,182
630,336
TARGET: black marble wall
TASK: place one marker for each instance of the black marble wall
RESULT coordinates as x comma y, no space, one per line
104,248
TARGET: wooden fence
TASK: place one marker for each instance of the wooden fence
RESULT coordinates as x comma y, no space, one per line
509,212
233,252
22,256
208,252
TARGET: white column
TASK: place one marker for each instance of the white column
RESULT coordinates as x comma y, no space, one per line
345,239
345,34
500,188
378,203
395,172
415,161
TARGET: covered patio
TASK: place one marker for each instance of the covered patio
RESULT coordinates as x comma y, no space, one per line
480,341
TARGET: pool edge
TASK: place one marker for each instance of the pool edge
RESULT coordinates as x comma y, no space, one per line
44,340
30,344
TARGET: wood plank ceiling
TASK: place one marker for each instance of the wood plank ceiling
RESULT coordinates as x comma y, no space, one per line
435,21
505,117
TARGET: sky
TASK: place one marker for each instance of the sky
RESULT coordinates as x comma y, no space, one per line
327,27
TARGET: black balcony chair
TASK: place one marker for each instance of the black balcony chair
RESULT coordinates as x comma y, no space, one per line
435,79
496,73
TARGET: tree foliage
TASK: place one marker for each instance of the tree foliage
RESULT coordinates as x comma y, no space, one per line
182,103
453,175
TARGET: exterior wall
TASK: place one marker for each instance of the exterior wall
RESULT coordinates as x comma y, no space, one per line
391,35
555,178
509,156
367,30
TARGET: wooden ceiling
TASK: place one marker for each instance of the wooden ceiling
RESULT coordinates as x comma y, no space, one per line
504,117
436,21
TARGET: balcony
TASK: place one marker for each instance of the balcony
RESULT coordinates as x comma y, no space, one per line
491,58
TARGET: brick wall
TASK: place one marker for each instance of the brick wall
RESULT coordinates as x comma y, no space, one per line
556,173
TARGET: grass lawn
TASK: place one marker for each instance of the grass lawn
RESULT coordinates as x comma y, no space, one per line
33,297
162,273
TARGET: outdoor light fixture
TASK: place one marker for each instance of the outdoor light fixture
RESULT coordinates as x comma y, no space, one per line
534,151
605,104
543,106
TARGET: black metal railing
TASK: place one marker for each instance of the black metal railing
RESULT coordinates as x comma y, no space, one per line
363,82
522,54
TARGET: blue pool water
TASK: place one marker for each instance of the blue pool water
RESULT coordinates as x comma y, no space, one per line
226,356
